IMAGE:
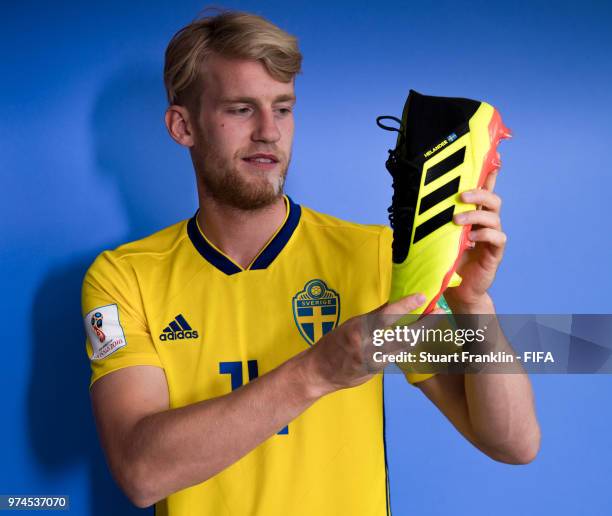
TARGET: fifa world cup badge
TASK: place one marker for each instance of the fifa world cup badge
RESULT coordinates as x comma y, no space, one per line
104,331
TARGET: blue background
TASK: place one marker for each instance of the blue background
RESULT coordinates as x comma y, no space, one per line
86,165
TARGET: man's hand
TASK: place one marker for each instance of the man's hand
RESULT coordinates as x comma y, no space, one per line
478,266
494,411
343,357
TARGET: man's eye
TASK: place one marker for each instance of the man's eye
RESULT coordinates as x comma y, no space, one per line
284,111
240,111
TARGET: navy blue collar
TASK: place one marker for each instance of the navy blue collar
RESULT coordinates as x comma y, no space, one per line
265,257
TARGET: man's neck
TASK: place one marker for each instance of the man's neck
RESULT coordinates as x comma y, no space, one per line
240,234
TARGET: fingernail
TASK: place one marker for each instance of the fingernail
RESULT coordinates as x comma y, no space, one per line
460,218
420,299
468,196
472,235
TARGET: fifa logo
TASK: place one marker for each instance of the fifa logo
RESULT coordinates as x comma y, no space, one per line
96,324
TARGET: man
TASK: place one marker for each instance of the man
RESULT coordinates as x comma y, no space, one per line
228,372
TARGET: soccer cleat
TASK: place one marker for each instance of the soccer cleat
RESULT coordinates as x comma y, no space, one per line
445,146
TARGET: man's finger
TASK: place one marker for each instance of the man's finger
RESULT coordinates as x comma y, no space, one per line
490,181
489,236
392,312
488,219
404,305
484,198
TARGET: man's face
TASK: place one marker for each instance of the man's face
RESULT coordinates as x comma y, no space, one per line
244,133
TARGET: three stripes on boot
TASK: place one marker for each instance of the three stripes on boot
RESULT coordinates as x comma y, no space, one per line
440,194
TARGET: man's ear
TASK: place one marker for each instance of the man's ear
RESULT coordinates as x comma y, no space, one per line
179,125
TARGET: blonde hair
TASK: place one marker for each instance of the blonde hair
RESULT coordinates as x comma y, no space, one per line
230,34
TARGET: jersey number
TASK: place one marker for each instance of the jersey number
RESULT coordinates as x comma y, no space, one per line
234,369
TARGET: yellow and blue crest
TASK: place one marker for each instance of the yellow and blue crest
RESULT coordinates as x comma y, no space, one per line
316,310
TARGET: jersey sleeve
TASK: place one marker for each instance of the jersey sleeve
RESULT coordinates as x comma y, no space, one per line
386,258
115,324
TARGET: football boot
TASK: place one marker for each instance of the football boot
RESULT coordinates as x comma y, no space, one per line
445,146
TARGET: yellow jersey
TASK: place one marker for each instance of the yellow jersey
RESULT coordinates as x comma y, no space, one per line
173,300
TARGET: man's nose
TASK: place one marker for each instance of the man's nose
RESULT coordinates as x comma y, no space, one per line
266,129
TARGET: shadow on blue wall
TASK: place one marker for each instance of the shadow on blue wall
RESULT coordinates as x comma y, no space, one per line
155,183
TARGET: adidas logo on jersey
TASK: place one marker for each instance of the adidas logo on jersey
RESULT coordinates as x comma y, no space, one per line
178,329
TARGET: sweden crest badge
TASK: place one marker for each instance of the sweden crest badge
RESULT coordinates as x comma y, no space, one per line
316,310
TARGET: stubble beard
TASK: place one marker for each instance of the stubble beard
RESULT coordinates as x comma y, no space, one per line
220,179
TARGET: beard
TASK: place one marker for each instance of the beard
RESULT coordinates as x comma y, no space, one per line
220,178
